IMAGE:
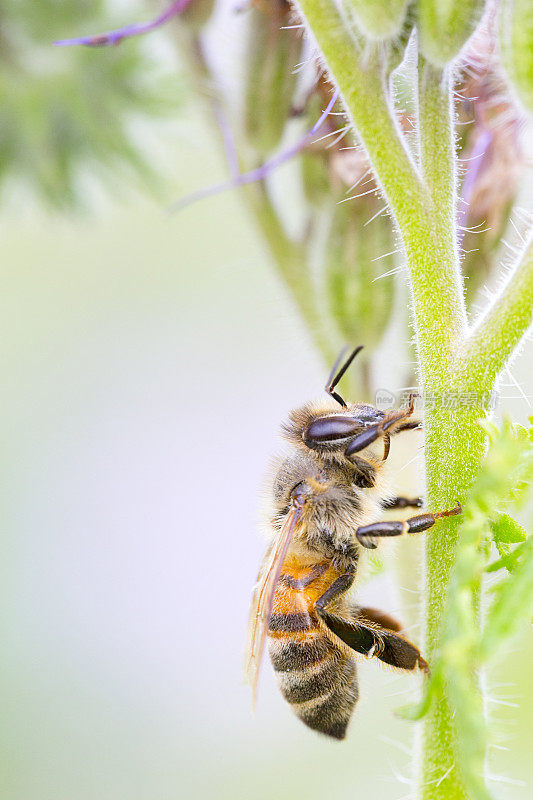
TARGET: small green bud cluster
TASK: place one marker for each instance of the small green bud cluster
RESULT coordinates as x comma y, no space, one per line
443,26
360,304
378,19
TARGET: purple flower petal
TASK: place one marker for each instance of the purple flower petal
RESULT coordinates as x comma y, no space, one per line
260,172
476,163
115,37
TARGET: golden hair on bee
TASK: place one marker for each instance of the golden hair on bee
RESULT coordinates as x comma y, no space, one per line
326,498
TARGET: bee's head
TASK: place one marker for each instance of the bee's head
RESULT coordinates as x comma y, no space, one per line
333,433
329,431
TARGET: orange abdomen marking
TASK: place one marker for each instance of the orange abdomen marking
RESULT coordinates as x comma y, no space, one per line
315,675
299,587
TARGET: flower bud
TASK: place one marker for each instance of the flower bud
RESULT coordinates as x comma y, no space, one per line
272,56
445,26
360,305
316,157
516,29
315,177
378,19
492,157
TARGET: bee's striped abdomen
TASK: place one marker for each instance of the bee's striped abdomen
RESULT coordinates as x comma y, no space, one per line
315,676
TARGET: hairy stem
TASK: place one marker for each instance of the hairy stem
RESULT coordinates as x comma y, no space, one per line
423,203
440,319
450,418
500,329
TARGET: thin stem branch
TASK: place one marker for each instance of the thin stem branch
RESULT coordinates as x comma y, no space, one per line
439,169
499,331
289,256
290,259
438,154
437,281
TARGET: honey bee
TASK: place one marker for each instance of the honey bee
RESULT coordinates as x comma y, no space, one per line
328,495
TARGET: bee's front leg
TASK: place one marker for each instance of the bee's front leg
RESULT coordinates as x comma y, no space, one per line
403,502
391,423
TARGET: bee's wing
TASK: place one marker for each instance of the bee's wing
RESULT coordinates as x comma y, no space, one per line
263,598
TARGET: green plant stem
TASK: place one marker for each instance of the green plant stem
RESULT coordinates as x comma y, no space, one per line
423,205
450,469
439,172
360,76
290,259
454,450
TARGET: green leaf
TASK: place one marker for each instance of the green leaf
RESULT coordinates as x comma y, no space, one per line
507,530
509,558
512,605
472,728
413,712
490,428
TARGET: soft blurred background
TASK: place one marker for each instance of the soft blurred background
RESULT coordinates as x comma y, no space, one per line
147,362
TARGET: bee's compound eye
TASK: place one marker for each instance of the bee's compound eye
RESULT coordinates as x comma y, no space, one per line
329,429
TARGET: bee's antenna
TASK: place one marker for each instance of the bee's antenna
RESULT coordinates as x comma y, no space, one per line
334,376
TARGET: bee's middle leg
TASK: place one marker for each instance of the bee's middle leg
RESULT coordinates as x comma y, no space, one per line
339,586
367,534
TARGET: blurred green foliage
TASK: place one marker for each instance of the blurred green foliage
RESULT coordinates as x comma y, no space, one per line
360,303
270,83
69,111
504,481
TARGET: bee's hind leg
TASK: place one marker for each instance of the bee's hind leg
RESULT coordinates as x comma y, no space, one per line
378,617
399,643
379,637
367,534
383,643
